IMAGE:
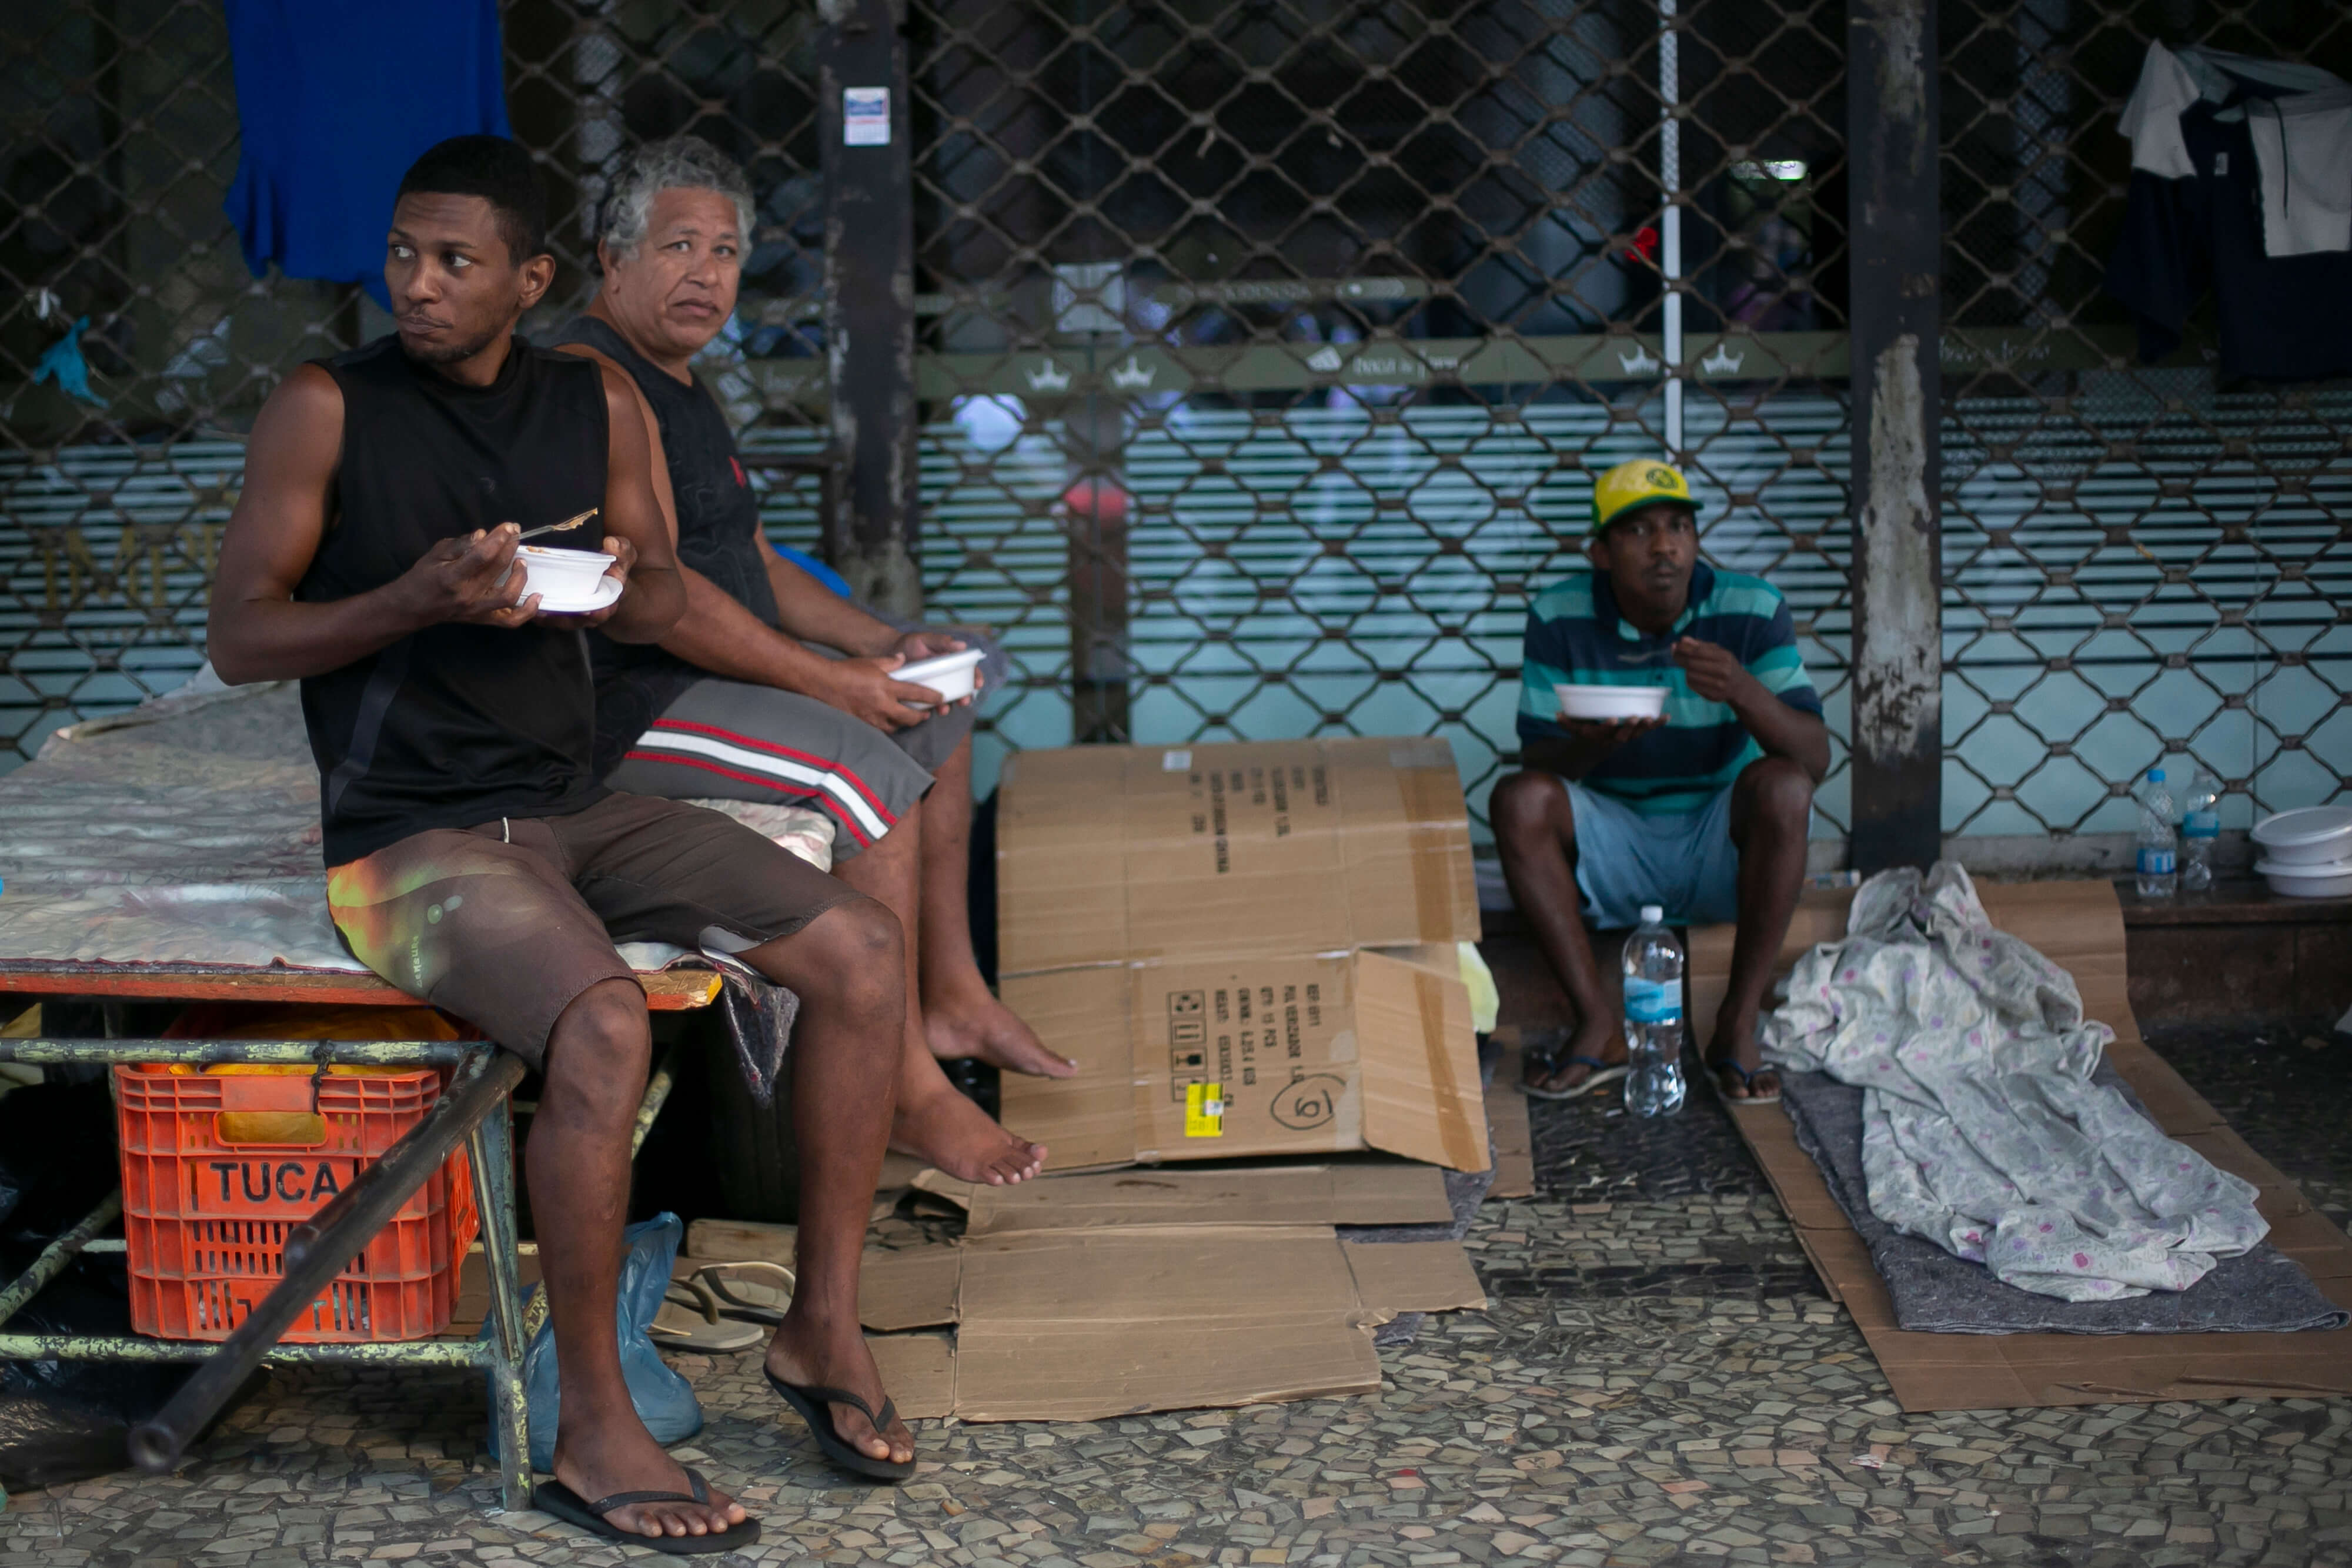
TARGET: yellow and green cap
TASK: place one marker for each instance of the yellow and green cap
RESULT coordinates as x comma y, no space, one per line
1640,483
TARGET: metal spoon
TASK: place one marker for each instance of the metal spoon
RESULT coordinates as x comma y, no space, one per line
566,525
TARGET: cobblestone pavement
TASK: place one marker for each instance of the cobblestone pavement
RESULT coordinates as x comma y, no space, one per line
1659,1380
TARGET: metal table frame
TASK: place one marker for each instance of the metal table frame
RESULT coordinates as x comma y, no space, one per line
474,1109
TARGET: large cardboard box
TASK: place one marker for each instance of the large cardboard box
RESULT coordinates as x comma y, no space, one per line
1194,927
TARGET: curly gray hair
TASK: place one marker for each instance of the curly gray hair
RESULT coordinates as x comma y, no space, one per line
677,163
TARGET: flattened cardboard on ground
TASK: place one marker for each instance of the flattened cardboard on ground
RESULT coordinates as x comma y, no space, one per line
1506,1113
1142,1307
1371,1193
2080,926
1303,1055
1114,854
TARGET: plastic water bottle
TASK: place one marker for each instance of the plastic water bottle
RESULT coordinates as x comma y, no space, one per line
1653,1017
2200,825
2159,872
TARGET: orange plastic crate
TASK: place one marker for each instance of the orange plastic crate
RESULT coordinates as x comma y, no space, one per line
217,1167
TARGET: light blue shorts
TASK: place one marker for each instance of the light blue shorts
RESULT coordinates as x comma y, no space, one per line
1687,863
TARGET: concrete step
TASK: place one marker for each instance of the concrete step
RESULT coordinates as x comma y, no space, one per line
2237,953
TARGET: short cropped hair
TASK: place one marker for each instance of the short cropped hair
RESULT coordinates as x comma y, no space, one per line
674,163
497,171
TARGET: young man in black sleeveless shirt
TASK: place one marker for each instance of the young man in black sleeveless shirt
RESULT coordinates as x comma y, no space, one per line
735,703
474,858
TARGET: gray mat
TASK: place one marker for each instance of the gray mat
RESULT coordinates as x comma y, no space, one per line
2261,1291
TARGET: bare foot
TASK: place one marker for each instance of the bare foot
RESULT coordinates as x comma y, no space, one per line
953,1134
804,1353
621,1456
1734,1041
969,1025
1562,1076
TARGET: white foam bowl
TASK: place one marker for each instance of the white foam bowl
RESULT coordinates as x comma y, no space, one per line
953,675
1606,703
2311,836
2306,879
563,578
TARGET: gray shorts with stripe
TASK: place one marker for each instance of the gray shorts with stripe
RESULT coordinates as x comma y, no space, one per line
732,741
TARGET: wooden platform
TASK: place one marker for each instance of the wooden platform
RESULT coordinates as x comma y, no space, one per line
2078,924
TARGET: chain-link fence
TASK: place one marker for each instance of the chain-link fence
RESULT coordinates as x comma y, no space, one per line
2143,565
1265,350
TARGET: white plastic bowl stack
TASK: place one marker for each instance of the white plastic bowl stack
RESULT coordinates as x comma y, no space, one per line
1609,704
2307,853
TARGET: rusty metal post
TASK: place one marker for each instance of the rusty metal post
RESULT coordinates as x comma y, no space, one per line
870,536
1895,236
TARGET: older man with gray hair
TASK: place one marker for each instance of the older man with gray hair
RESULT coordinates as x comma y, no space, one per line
773,688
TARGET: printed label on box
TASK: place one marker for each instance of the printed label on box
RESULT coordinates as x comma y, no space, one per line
1204,1110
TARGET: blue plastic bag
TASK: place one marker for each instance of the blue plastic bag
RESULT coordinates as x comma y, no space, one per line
664,1400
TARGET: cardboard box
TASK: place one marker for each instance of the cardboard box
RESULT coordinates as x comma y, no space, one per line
1192,927
1124,1291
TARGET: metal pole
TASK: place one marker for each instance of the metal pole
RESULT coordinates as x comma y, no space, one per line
1670,219
317,1250
384,1053
1896,235
102,1347
658,1088
57,1255
869,297
492,1146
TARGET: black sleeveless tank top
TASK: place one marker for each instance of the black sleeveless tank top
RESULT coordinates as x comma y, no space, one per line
454,724
718,534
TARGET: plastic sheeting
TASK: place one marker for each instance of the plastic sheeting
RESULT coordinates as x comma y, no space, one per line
186,832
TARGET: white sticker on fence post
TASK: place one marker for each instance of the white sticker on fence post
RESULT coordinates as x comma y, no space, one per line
866,117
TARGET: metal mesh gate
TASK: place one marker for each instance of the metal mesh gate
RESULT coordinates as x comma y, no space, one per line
1266,349
2144,566
119,120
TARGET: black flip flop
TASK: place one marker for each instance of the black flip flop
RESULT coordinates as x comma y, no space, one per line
554,1498
1602,1074
809,1402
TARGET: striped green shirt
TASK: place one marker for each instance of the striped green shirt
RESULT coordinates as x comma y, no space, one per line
1576,635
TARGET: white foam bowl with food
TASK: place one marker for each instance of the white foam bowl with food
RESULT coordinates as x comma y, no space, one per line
1608,704
568,581
954,676
2311,835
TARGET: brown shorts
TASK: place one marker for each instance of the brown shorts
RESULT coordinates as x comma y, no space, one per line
506,923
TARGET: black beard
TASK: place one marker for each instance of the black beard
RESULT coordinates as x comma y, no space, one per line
449,354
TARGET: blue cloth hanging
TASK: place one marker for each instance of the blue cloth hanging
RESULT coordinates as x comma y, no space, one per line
335,101
62,364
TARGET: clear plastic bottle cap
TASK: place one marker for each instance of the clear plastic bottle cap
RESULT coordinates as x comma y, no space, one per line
1653,914
2156,775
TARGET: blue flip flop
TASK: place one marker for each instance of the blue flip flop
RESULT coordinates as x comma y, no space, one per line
1746,1080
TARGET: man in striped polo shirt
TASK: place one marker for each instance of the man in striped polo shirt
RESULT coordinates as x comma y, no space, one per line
1704,810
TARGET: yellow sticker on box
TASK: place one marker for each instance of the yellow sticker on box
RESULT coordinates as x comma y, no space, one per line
1204,1110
